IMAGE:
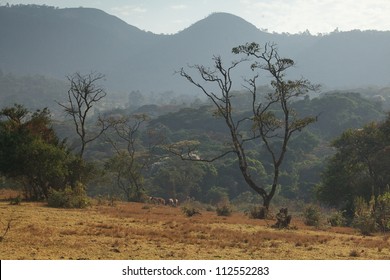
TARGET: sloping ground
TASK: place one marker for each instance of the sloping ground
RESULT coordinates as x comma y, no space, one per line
141,231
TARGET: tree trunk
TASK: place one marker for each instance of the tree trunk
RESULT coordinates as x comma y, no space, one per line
267,202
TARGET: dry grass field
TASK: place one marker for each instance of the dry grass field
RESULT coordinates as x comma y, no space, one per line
140,231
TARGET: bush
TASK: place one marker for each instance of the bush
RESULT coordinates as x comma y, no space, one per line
337,219
372,216
16,200
382,212
365,223
354,253
224,210
69,198
258,212
190,211
312,215
364,217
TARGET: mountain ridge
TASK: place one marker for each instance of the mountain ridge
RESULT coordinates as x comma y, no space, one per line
58,42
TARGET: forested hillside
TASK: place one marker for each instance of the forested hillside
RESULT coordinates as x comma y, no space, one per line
58,42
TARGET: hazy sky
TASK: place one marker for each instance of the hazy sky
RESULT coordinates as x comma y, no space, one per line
293,16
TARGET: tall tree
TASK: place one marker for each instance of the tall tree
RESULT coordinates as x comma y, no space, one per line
131,159
84,93
271,120
359,168
31,151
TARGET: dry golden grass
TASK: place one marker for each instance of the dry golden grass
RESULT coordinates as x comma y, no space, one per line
6,194
139,231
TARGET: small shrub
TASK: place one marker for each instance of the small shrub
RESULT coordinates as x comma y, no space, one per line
365,223
337,219
258,212
312,215
69,198
58,199
382,212
190,211
364,218
354,254
224,210
16,200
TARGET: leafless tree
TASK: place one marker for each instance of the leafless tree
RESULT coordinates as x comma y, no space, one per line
84,93
131,159
272,120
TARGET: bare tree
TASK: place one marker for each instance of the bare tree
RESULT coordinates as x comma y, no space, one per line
131,159
272,120
84,93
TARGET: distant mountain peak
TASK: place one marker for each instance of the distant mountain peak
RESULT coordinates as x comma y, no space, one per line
221,21
223,16
57,42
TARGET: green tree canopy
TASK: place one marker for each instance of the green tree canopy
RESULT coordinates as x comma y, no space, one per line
359,167
31,151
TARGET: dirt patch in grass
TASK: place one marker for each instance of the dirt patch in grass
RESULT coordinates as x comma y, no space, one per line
133,231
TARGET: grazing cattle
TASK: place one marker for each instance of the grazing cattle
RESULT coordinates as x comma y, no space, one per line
157,200
173,202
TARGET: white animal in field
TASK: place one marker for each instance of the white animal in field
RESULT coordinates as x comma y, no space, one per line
173,202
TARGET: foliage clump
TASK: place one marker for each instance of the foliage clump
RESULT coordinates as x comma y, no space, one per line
312,215
383,212
190,210
224,209
372,216
32,153
337,219
16,200
258,212
359,168
68,197
364,216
